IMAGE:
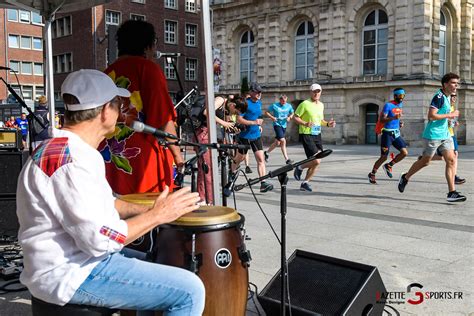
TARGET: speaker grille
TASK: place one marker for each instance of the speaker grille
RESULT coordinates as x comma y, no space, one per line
320,286
10,167
8,219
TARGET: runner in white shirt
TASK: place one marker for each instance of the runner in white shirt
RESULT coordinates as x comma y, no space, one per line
72,229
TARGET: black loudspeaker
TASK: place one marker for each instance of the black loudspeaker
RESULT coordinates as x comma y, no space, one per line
10,167
321,285
8,219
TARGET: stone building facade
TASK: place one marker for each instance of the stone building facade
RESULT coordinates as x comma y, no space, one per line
358,50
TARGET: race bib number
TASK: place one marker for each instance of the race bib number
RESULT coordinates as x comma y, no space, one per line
282,116
396,133
315,129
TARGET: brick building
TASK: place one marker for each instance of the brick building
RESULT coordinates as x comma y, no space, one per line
81,40
359,50
21,49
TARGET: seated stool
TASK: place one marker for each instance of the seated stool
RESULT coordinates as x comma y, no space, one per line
42,308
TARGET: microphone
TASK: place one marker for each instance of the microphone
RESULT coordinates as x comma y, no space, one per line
230,146
159,54
229,187
143,128
323,154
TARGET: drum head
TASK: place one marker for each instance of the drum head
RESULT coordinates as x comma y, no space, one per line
208,215
204,216
141,198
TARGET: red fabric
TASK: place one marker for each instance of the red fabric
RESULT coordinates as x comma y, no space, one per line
152,167
52,154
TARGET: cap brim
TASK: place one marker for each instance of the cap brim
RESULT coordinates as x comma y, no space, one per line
121,92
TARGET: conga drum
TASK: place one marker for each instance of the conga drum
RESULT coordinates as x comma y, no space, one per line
210,242
145,242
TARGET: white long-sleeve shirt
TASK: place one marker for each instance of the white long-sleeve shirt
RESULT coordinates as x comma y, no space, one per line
68,222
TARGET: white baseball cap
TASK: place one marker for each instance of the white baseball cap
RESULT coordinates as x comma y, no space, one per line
315,86
92,88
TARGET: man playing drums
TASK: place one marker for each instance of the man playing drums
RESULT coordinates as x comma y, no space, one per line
72,229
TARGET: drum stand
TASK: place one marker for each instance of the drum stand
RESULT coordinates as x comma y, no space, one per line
282,174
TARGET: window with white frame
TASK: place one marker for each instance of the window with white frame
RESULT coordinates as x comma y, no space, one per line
190,34
171,4
112,18
246,49
39,91
137,17
170,73
26,68
25,16
138,1
61,27
12,15
304,51
170,32
190,6
14,41
62,63
190,73
15,66
37,43
374,43
442,44
25,42
36,18
38,69
28,93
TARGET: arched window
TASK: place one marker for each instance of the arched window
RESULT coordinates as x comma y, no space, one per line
374,43
246,56
442,44
304,51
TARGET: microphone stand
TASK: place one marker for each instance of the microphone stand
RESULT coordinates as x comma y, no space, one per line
222,148
31,116
282,174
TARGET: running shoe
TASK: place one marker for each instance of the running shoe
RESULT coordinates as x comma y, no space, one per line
248,170
458,180
388,170
265,187
455,196
305,187
371,177
402,183
289,162
298,173
266,156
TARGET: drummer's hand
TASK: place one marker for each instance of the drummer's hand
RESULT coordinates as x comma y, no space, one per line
172,206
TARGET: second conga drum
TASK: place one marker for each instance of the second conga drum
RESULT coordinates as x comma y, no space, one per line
210,242
145,242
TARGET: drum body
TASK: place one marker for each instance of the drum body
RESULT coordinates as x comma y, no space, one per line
210,242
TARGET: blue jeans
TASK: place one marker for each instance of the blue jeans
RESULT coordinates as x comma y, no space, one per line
128,283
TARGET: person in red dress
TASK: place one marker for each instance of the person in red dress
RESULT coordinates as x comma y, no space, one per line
135,162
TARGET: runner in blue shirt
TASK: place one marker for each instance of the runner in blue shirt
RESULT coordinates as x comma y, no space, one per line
251,135
22,123
436,137
280,113
390,118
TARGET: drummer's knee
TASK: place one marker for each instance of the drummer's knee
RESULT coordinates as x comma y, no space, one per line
196,295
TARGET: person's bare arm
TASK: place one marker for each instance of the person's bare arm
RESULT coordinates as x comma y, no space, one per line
243,121
175,150
434,116
167,208
127,209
